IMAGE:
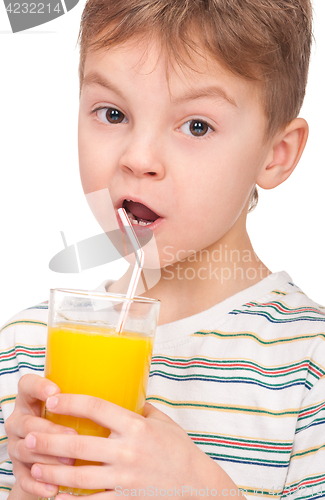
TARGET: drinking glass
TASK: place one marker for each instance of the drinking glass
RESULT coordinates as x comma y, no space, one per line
87,355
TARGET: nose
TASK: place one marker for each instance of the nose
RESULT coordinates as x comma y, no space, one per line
142,156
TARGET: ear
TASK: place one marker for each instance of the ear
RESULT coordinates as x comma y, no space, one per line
284,154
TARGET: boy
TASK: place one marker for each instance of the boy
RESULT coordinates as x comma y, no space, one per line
184,108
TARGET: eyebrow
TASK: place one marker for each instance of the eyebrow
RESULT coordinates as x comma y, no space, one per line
213,91
97,79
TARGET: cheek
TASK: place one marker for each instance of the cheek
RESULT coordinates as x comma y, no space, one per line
213,198
86,172
85,156
212,187
93,164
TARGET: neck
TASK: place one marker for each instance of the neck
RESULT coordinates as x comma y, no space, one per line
207,278
203,279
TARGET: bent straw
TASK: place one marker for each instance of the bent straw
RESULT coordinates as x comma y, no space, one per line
139,254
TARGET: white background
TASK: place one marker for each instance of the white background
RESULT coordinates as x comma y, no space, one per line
40,191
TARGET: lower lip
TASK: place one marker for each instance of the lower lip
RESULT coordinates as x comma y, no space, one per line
141,230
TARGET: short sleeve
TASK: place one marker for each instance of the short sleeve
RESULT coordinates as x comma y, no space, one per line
22,351
306,473
6,475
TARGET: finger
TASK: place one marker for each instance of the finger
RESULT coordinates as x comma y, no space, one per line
88,477
24,453
93,448
30,485
104,413
22,425
34,387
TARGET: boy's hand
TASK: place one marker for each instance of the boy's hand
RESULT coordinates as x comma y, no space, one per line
141,451
26,418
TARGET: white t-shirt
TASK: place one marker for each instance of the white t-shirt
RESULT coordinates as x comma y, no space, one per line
244,378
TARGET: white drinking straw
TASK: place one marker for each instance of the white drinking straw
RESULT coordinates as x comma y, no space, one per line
139,254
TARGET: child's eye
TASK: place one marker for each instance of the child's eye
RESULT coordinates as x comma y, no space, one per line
110,115
197,128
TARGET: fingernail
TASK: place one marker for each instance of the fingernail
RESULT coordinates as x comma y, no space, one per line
30,441
70,431
36,472
66,461
51,402
50,390
50,487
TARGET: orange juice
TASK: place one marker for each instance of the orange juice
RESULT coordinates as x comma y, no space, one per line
93,360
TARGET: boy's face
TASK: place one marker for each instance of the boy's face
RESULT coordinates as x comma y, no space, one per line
190,149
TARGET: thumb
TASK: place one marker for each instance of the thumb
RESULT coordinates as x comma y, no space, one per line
150,411
34,388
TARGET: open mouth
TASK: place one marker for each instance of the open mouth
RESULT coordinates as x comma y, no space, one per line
139,214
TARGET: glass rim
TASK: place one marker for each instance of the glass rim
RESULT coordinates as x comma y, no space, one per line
105,295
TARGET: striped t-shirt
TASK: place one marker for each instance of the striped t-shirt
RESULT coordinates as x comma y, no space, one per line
244,378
